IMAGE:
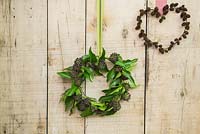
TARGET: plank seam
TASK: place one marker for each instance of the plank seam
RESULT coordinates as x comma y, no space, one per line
85,53
146,73
47,103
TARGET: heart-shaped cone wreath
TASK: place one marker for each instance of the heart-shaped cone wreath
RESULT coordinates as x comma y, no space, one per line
173,7
119,79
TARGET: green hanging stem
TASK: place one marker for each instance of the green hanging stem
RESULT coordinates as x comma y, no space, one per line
100,8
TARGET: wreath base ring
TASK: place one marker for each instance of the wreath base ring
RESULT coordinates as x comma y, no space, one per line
87,67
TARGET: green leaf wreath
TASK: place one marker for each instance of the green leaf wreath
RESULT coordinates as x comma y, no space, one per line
87,67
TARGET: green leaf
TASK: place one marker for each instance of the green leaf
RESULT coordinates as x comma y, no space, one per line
88,70
94,103
68,103
88,73
66,75
97,72
100,106
120,63
102,66
72,107
63,97
131,80
87,76
117,90
103,55
115,83
110,112
87,112
113,91
109,109
123,90
86,58
129,64
111,74
68,68
93,57
120,58
118,75
78,92
106,98
71,91
107,91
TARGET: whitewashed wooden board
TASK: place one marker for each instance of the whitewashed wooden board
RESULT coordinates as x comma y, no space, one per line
40,37
66,43
119,36
173,95
23,66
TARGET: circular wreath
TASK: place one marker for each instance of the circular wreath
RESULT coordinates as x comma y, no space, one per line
182,10
118,77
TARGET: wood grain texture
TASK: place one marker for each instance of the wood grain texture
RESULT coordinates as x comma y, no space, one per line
66,43
173,95
118,36
23,66
173,80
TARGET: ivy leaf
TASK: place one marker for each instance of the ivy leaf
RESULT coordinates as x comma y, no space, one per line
87,76
112,91
100,106
117,90
71,91
109,112
87,112
120,63
93,57
85,58
115,83
69,103
68,68
72,107
129,64
102,66
119,74
106,98
78,92
97,72
88,73
88,70
107,91
111,74
66,75
127,74
63,98
102,55
120,58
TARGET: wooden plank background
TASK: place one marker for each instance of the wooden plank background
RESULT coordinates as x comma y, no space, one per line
173,95
40,37
23,66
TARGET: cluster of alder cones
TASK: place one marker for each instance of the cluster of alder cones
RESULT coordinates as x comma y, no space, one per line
182,10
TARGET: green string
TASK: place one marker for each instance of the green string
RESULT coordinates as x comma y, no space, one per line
100,7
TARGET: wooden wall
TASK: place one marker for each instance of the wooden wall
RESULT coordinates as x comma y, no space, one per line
40,37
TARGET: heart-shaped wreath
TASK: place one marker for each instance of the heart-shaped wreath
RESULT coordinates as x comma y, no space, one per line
182,10
86,67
